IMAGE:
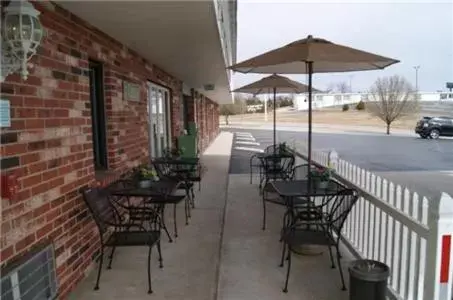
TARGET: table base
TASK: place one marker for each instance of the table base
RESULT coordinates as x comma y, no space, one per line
310,250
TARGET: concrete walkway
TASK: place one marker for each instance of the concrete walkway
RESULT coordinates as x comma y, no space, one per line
191,263
222,254
250,256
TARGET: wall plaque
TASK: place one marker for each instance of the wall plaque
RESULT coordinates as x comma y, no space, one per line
131,91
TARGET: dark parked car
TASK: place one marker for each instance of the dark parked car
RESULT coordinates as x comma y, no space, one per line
434,127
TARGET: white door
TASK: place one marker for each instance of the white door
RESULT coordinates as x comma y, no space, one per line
159,119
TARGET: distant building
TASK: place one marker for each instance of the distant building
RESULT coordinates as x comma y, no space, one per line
338,99
254,108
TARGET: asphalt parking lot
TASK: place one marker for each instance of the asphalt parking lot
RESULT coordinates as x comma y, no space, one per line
424,166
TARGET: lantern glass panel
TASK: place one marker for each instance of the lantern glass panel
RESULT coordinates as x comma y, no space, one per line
26,27
11,27
37,30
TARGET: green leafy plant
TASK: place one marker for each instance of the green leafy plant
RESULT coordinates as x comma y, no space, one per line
360,105
345,107
321,174
147,174
282,146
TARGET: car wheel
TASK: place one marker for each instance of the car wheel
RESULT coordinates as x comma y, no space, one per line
423,136
434,134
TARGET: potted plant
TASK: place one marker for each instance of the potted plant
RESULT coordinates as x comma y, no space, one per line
146,177
321,176
282,148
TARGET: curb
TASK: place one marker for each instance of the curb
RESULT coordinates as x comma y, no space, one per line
319,130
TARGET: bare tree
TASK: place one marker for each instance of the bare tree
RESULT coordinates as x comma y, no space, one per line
226,110
343,87
330,88
392,98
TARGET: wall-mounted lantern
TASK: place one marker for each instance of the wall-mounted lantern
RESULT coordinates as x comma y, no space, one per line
21,35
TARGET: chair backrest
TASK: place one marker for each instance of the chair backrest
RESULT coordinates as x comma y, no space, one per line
283,161
300,172
275,149
340,208
162,169
287,162
102,210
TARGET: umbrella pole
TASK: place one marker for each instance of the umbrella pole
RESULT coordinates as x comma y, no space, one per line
275,118
310,121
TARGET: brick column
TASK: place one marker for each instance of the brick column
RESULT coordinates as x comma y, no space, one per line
191,107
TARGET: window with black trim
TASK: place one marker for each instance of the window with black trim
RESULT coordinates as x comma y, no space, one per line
31,278
98,115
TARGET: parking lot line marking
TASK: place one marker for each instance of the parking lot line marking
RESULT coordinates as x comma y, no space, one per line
243,134
251,138
249,149
247,143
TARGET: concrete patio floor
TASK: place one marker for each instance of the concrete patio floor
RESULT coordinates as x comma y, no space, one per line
222,254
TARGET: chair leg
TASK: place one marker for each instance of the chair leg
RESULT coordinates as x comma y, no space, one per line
101,260
189,207
331,257
111,257
199,185
285,289
174,221
193,197
341,269
164,226
283,255
159,251
186,210
150,291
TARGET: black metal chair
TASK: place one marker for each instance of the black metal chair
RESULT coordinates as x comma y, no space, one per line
299,172
290,173
319,225
276,167
160,200
107,216
166,171
256,160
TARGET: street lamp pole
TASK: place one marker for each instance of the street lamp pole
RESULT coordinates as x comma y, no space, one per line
416,77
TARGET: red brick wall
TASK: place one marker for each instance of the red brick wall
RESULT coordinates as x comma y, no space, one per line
49,146
206,112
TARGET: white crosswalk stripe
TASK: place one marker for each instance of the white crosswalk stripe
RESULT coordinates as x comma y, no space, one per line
448,173
243,134
247,143
244,141
249,149
240,138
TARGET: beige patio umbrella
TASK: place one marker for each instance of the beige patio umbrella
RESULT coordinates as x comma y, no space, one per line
313,55
278,84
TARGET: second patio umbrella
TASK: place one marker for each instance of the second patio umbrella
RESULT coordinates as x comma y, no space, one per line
278,84
313,55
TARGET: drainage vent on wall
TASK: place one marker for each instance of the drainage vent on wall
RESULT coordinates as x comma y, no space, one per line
31,278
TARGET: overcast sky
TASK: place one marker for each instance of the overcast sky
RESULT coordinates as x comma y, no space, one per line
414,32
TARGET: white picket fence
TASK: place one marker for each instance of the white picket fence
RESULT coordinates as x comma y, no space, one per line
389,223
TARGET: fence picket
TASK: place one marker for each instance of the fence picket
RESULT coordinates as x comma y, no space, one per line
405,230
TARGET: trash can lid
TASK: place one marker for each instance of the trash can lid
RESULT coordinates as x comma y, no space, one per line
369,270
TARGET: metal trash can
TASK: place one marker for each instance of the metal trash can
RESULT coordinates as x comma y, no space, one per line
368,280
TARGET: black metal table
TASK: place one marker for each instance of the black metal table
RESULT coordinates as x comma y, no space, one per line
159,194
299,188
